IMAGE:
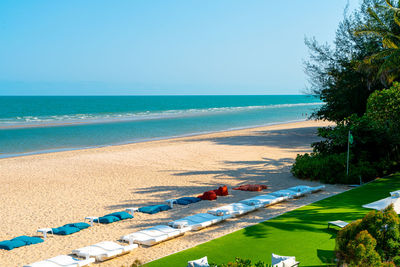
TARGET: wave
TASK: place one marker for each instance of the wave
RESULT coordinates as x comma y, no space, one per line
55,120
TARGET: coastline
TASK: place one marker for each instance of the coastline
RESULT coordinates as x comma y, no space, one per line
14,155
50,190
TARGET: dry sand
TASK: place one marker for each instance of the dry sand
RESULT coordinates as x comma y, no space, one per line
50,190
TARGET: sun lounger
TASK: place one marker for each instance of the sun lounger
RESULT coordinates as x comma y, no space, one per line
154,209
286,193
338,223
70,228
187,200
62,261
283,261
384,203
263,200
198,221
251,187
303,189
104,250
234,209
20,241
113,217
317,188
203,262
153,235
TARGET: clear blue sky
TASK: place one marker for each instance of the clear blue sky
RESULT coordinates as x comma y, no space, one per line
160,47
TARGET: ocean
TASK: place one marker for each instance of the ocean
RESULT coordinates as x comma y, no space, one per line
41,124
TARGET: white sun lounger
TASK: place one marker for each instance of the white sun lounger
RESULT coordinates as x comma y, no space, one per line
104,250
283,261
384,203
317,188
302,189
338,223
198,221
62,261
262,200
153,235
285,193
234,209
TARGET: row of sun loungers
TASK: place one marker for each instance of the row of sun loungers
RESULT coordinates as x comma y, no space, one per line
159,233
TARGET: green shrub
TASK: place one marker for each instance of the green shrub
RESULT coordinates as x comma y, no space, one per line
384,106
374,153
239,262
326,168
372,241
363,251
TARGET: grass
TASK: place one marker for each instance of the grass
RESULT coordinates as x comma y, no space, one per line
302,232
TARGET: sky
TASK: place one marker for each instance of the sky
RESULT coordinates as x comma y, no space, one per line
160,47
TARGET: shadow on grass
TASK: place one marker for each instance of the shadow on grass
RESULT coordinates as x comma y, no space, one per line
326,256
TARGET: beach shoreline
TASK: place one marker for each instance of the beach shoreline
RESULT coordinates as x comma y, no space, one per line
50,190
127,142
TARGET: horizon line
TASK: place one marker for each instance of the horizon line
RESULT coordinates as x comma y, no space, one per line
172,95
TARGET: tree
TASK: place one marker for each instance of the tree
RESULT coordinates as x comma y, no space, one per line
384,23
334,73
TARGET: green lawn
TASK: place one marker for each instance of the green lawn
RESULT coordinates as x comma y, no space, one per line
302,232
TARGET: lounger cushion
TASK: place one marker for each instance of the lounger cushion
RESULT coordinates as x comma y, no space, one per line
232,209
203,262
107,219
28,240
65,230
9,245
154,209
222,191
276,259
209,195
251,187
62,260
187,200
197,221
103,250
300,188
283,193
79,225
122,215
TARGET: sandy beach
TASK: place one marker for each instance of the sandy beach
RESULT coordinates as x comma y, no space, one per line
50,190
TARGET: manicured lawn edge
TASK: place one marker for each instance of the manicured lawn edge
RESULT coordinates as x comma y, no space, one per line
302,232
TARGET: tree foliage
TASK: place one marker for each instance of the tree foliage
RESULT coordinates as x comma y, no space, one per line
374,152
383,21
384,106
349,78
372,241
334,72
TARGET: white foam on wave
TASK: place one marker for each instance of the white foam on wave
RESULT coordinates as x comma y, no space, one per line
54,120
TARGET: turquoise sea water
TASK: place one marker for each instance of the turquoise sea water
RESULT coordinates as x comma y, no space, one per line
37,124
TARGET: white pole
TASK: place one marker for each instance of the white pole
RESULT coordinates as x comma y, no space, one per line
348,152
